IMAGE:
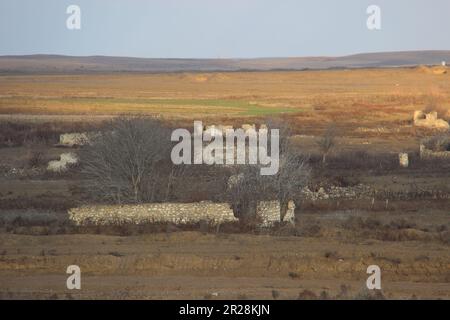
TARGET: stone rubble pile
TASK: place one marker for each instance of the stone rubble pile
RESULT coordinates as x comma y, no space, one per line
65,159
334,192
429,120
269,212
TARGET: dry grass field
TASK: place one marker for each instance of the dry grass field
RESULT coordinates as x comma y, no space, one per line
362,102
324,257
365,94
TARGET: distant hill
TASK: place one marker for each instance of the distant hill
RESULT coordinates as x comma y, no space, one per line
98,64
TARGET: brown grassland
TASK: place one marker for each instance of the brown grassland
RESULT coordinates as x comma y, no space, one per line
326,256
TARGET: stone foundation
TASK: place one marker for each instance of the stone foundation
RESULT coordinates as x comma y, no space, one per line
65,159
430,154
429,120
269,212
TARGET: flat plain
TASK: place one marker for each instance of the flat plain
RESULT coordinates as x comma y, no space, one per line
336,240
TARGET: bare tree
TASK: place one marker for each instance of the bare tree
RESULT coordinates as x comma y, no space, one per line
433,103
176,172
440,142
285,133
246,188
292,177
327,142
124,162
244,192
293,173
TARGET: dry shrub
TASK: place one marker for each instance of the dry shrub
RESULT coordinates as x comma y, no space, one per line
444,237
310,230
439,142
275,294
358,223
332,255
21,132
402,224
331,205
396,230
370,295
431,164
359,160
35,159
343,181
49,202
432,104
422,258
16,134
390,260
343,291
307,295
327,141
403,235
324,295
284,229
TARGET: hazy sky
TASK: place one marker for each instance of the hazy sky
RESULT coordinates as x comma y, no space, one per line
222,28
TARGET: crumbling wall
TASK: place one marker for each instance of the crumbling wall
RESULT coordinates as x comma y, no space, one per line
61,165
438,70
426,153
358,191
178,213
429,120
269,212
74,139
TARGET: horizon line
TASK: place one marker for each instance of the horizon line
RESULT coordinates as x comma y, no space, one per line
228,58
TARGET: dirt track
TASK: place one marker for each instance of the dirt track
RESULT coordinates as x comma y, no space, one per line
204,266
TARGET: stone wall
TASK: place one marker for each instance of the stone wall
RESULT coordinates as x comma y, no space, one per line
358,191
426,153
178,213
429,120
269,211
74,139
65,159
214,213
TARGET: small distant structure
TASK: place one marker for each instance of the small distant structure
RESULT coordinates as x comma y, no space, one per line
403,160
435,69
426,153
246,127
429,120
74,139
61,165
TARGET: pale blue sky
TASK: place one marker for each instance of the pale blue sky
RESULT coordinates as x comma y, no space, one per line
222,28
